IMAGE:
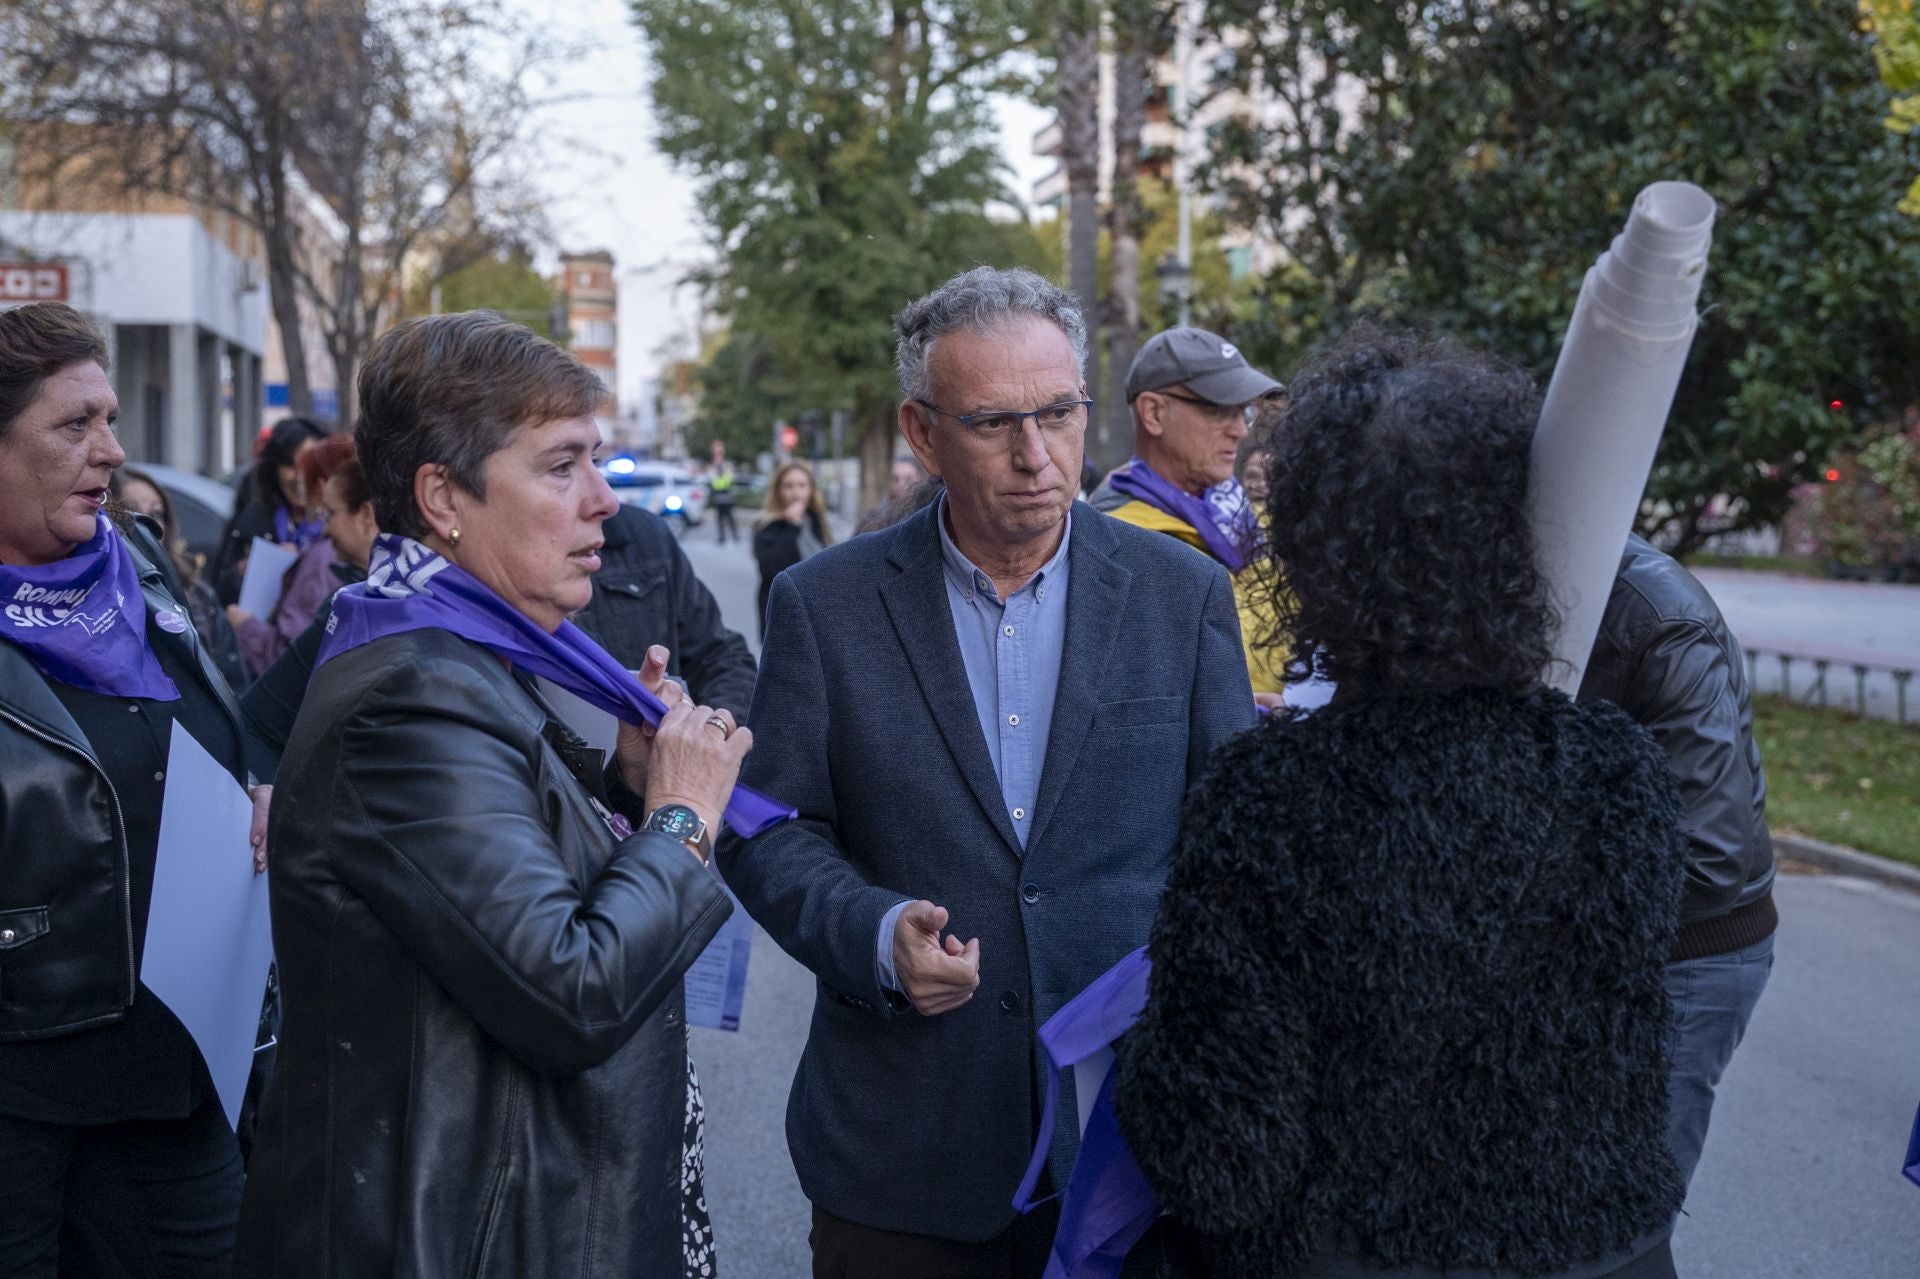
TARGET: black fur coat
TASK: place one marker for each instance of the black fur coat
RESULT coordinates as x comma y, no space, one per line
1406,997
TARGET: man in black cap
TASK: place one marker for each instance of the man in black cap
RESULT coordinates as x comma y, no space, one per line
1193,397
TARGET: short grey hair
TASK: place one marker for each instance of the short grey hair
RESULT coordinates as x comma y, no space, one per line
981,299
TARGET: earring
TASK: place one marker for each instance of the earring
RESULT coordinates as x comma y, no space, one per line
453,535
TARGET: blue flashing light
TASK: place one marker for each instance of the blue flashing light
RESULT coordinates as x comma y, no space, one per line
622,465
673,502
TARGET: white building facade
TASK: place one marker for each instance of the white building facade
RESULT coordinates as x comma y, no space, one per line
185,314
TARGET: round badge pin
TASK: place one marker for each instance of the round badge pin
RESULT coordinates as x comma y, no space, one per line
171,623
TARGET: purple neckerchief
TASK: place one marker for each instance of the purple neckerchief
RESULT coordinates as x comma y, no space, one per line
410,588
1912,1168
1223,523
299,536
83,622
1108,1204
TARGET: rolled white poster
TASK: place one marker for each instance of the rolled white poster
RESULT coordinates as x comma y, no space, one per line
1607,405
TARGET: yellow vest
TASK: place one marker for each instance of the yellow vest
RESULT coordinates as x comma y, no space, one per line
1264,662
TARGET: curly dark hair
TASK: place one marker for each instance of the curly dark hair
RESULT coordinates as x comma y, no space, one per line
1402,553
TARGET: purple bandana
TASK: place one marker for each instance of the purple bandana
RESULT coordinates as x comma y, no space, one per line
83,622
299,536
410,588
1108,1204
1222,515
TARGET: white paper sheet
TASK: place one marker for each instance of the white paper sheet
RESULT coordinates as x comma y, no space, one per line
209,941
717,982
267,565
1089,1076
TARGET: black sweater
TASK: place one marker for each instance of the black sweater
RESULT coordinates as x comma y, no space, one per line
1406,999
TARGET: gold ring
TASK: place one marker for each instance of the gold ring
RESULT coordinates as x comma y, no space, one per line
714,721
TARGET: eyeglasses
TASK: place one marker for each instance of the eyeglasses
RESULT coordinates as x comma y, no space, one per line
998,425
1219,412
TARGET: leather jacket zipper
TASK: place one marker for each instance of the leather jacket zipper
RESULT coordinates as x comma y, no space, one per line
126,871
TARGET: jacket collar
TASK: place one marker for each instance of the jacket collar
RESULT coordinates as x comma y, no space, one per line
916,601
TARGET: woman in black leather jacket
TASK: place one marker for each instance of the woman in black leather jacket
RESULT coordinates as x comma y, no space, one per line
1407,1015
483,1064
115,1154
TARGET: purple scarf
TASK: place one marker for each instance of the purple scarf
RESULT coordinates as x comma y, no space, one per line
1108,1204
1222,516
299,536
83,622
410,588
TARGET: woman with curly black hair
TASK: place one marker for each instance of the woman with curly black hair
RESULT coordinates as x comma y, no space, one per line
1406,1015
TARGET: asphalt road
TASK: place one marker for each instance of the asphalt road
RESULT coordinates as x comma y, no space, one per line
1801,1174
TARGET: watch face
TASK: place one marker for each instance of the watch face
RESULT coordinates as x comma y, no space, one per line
676,820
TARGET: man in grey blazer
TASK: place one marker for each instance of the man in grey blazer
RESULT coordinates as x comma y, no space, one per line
987,717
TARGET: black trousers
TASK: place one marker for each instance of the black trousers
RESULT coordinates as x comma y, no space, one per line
845,1250
723,523
131,1200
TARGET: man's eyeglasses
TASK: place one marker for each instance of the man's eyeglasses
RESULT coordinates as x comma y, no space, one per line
1219,412
997,425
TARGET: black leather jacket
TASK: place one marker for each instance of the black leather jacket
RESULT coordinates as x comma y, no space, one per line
1665,655
66,915
646,593
483,1060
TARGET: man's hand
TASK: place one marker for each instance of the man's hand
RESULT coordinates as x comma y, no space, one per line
1273,704
938,974
257,835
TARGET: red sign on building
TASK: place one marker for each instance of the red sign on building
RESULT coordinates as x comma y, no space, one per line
32,282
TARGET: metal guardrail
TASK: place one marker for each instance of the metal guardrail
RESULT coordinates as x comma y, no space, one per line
1817,691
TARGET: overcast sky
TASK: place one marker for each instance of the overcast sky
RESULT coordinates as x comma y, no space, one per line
617,192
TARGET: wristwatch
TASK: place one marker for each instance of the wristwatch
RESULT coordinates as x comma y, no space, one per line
682,823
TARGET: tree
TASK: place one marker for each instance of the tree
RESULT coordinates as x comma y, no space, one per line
364,141
505,282
1896,52
1077,113
844,161
1461,164
1139,34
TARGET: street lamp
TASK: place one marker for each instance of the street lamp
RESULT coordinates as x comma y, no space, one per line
1174,281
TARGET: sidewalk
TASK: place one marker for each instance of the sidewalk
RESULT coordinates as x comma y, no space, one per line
1875,621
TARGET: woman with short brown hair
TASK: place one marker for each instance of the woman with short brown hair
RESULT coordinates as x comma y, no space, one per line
115,1154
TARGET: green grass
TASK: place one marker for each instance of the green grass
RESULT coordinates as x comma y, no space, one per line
1758,563
1841,779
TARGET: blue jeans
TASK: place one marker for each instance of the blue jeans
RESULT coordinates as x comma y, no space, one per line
1713,1000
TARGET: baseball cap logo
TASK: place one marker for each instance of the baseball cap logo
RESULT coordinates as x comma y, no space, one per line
1228,350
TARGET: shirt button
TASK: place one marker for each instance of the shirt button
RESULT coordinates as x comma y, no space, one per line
1030,893
159,777
134,709
1019,814
1014,720
1010,1001
1008,629
1039,592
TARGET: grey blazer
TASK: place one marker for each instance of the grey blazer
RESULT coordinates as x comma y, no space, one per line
864,722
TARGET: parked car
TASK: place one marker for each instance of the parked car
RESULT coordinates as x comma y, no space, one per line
201,507
667,489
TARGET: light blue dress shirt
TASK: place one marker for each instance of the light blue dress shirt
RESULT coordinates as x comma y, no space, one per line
1012,650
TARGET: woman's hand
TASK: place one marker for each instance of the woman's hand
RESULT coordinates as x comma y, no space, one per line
257,835
796,513
237,616
634,745
696,760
